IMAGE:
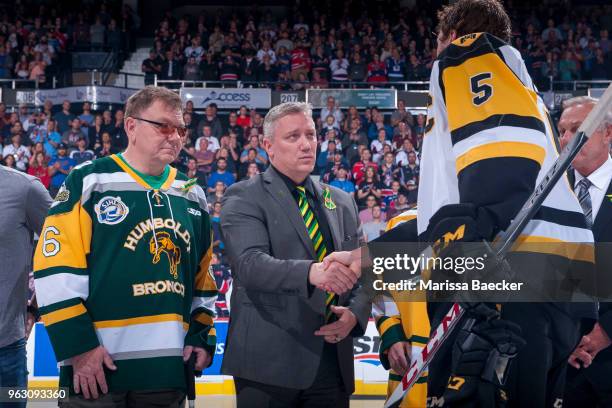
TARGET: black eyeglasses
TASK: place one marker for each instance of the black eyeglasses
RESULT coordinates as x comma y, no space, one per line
165,128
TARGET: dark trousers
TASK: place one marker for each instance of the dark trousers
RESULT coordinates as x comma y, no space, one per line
589,387
13,370
537,375
129,399
327,390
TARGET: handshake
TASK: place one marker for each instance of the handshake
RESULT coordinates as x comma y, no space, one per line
338,272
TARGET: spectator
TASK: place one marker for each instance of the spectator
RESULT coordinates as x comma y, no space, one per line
360,167
243,119
195,50
342,182
6,63
71,136
252,170
211,119
151,67
372,229
332,109
365,215
266,50
339,67
261,157
213,142
191,70
409,177
203,155
377,124
81,154
106,147
229,68
9,161
389,171
97,34
64,118
401,115
193,172
416,70
396,66
326,156
20,152
229,154
377,146
94,132
22,68
171,68
358,69
250,158
300,61
217,194
250,64
401,133
38,168
52,139
398,205
59,167
86,117
377,70
266,71
369,185
221,174
209,67
117,132
320,64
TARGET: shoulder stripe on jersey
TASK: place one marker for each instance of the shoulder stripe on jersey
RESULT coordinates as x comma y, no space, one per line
495,121
500,149
561,217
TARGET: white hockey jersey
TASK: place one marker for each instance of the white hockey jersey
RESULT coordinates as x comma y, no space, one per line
489,141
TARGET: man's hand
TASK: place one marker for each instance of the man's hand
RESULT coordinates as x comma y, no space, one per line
202,359
590,345
399,356
580,358
352,259
89,372
30,319
338,330
335,278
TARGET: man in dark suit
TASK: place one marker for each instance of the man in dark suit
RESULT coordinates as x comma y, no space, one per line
293,317
589,383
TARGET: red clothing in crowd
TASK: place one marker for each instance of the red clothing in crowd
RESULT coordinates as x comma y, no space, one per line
300,59
359,170
377,72
42,173
244,121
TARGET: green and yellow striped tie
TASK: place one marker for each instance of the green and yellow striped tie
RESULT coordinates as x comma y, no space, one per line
314,232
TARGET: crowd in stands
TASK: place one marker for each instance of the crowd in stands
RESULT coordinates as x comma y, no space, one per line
36,39
356,44
372,156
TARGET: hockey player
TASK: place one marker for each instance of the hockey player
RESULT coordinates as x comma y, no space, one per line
488,142
122,268
402,325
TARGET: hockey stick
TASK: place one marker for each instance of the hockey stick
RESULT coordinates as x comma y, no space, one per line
504,243
190,375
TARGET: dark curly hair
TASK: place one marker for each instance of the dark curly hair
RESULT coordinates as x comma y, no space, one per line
475,16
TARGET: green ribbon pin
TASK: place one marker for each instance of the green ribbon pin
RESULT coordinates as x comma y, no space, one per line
188,184
327,200
609,197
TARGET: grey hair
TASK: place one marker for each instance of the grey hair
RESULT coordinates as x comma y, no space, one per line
280,111
588,100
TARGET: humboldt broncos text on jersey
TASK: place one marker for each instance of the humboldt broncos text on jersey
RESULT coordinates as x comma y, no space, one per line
489,141
125,266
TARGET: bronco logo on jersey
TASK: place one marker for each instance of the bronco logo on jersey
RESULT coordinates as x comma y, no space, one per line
165,245
111,210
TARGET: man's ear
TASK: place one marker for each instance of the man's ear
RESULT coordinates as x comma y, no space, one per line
453,35
268,147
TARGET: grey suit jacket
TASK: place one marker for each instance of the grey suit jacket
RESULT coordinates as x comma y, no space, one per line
274,315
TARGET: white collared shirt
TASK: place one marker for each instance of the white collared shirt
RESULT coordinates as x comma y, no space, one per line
600,180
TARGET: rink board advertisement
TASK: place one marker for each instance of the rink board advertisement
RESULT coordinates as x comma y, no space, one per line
370,376
228,98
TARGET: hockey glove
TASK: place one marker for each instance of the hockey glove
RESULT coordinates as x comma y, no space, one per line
481,357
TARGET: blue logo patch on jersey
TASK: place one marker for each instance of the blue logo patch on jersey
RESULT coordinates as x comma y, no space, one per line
111,210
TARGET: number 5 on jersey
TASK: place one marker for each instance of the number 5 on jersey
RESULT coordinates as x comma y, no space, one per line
480,89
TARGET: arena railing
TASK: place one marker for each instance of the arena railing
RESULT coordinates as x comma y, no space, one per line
402,86
19,83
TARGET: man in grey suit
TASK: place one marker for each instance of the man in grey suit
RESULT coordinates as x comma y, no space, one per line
293,317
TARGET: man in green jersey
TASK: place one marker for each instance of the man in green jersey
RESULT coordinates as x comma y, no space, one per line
122,268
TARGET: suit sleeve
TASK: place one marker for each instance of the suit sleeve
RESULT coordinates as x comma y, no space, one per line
496,128
247,241
360,298
61,273
201,331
